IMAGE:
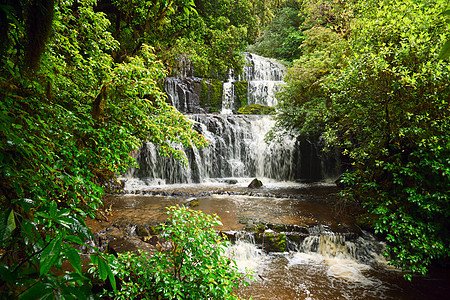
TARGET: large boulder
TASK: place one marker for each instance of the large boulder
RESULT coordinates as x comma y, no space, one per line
255,184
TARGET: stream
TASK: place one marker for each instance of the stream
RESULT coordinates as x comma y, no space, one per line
327,255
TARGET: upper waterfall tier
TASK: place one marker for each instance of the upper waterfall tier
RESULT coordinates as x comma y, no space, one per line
260,68
258,84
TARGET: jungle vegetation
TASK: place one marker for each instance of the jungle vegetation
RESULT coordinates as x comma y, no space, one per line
373,77
81,87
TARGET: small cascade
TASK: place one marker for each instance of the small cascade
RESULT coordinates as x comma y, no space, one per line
348,260
183,93
264,76
246,254
228,97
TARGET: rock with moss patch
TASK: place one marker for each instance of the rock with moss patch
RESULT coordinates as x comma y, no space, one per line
256,109
241,93
211,95
273,241
255,184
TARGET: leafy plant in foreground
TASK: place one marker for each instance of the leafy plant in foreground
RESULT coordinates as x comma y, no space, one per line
193,267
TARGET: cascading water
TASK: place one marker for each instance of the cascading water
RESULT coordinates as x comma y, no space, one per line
264,76
236,142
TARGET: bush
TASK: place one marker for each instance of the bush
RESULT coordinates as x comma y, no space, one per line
194,266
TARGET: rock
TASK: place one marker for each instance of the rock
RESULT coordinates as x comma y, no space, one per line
255,184
230,181
146,230
273,241
134,244
192,202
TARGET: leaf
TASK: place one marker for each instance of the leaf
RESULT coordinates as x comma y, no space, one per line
74,239
111,277
50,255
6,224
11,224
445,51
74,257
102,268
53,209
37,291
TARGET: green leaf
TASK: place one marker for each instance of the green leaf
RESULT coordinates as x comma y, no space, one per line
74,257
11,224
53,209
102,268
445,51
7,224
37,291
50,255
111,277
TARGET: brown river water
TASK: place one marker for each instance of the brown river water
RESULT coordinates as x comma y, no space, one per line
327,265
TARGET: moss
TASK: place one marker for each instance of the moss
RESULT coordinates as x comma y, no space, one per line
295,238
274,242
256,109
241,89
211,95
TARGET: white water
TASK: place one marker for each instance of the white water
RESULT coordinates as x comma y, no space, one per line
264,77
237,149
228,97
326,267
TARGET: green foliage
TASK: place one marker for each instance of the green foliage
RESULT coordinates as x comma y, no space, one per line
241,88
282,37
336,15
303,102
383,98
256,109
445,51
211,35
194,267
68,128
392,105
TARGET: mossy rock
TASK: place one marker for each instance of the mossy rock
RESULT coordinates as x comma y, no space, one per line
146,231
256,109
255,184
274,242
241,90
211,95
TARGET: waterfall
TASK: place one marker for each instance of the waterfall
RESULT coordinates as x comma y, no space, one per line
264,76
228,97
237,148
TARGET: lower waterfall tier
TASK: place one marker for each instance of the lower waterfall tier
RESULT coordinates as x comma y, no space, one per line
237,149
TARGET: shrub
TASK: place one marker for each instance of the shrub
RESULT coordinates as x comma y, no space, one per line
193,267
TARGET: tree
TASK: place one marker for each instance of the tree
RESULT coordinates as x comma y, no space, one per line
385,102
282,37
69,120
193,267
